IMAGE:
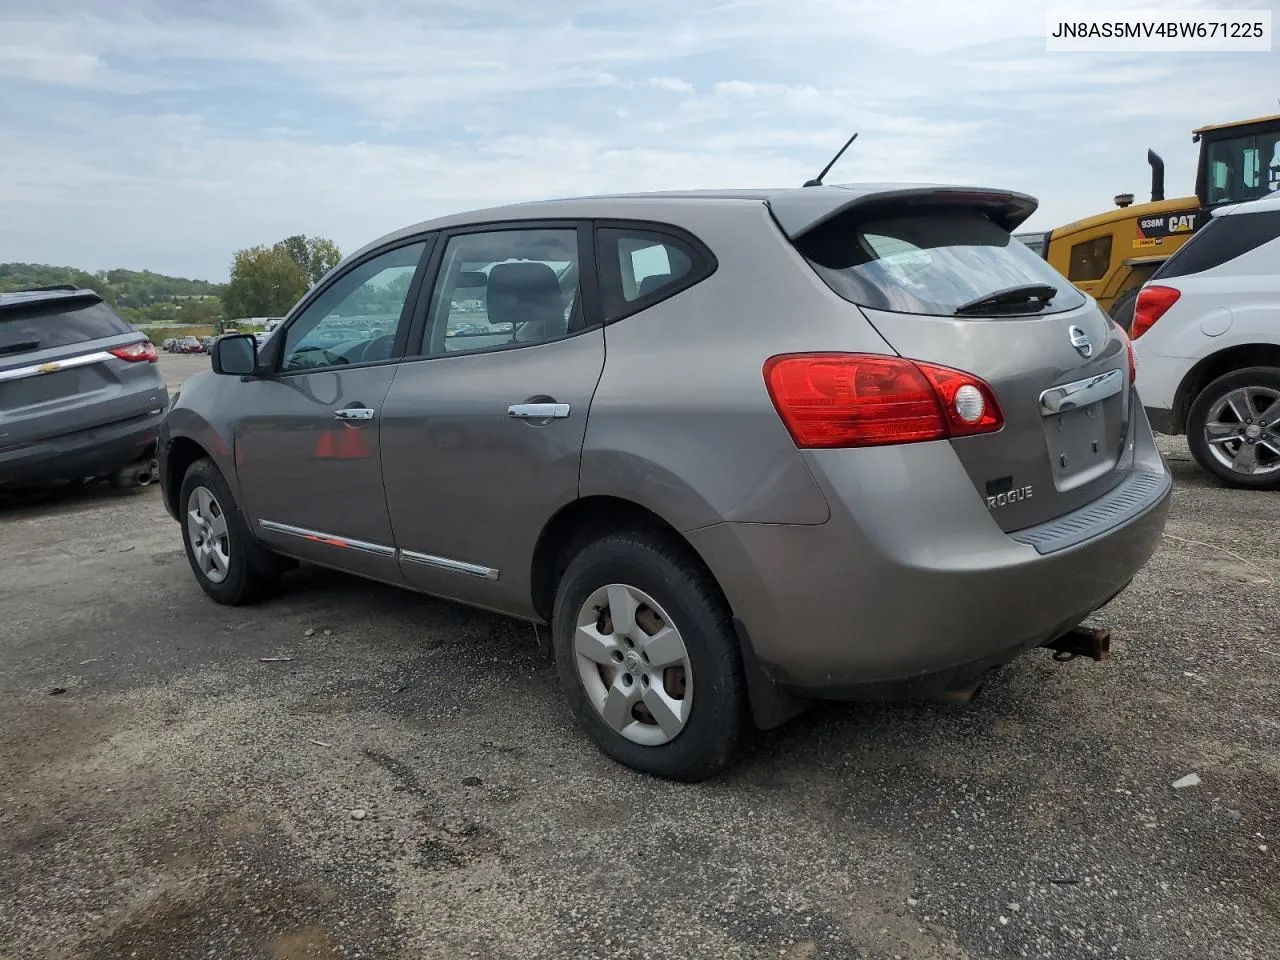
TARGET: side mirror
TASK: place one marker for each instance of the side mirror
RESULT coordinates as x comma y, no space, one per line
236,355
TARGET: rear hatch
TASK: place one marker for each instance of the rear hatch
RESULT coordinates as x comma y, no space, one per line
69,363
923,269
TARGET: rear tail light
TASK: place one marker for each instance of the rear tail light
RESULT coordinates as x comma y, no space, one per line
864,400
137,352
1153,303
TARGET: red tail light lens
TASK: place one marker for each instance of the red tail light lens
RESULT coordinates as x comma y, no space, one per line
1153,303
137,352
861,400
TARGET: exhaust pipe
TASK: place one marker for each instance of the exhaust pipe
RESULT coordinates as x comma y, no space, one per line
1157,175
1094,643
141,473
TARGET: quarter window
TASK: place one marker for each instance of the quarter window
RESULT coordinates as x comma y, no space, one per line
1090,260
505,288
639,267
356,318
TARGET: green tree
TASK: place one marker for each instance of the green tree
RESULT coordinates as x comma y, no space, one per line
206,311
265,282
316,255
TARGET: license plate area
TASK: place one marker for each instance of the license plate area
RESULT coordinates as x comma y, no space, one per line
29,391
1083,443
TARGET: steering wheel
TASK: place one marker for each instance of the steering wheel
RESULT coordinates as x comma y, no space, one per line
378,348
316,357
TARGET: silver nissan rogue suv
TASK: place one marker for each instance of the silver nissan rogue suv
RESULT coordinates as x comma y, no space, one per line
739,449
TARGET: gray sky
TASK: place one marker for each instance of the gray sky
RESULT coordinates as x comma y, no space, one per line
164,135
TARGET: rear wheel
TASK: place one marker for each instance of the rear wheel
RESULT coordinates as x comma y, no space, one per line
230,566
648,659
1233,428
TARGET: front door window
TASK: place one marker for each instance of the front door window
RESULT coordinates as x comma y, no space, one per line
355,320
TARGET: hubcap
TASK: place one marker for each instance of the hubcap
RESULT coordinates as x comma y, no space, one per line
1242,430
207,533
633,664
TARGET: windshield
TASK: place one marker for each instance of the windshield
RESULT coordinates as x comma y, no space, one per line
929,263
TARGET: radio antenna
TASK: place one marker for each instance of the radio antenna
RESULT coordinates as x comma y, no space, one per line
817,181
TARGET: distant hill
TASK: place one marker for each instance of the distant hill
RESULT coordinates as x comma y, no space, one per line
139,295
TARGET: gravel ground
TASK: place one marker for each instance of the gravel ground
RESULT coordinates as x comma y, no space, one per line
408,784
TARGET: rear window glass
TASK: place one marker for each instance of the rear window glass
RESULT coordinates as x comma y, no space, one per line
56,324
1221,239
927,263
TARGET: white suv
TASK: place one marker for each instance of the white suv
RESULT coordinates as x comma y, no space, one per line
1206,332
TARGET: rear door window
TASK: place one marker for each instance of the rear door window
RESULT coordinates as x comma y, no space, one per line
1221,239
927,263
56,323
502,289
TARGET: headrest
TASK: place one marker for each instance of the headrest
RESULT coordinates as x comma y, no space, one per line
523,291
654,281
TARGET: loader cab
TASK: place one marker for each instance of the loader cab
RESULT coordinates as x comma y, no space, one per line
1238,161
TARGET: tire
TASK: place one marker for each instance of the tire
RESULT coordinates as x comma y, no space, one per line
708,686
235,569
1251,391
1122,309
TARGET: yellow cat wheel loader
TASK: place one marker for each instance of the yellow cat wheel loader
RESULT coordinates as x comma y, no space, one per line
1110,255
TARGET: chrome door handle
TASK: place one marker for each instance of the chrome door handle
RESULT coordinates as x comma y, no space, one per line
538,411
353,413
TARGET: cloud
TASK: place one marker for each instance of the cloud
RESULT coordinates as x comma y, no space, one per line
167,135
673,84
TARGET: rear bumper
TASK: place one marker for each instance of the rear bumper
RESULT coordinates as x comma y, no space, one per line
914,589
85,453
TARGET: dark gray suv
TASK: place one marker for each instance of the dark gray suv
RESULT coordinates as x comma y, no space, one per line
737,449
80,393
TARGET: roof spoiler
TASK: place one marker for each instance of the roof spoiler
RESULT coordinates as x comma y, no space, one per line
26,299
800,211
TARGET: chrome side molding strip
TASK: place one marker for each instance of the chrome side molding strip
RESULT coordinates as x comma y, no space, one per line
380,550
1081,393
444,563
328,539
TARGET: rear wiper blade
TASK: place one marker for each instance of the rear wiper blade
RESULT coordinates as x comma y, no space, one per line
1041,292
19,346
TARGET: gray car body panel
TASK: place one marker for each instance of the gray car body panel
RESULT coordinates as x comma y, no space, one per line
75,410
468,484
844,567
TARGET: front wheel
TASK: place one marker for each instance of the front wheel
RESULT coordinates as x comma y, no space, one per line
230,566
1233,428
648,659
